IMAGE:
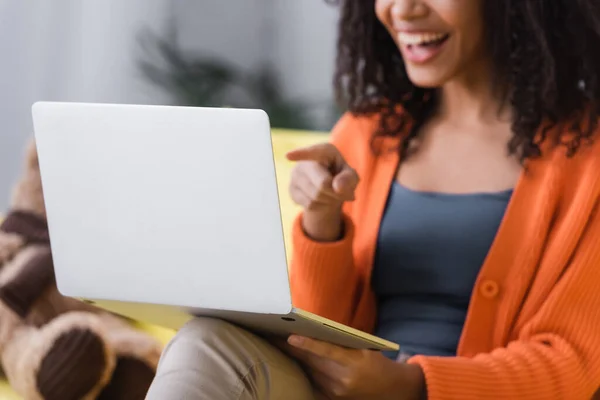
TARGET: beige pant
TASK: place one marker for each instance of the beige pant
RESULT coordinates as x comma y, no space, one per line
212,359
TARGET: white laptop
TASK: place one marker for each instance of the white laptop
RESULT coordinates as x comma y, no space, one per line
163,213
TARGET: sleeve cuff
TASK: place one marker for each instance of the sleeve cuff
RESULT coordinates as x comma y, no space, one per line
444,382
312,252
323,276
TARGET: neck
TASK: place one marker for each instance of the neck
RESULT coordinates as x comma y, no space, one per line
470,99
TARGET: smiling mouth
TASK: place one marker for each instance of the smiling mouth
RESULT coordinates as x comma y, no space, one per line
421,48
422,39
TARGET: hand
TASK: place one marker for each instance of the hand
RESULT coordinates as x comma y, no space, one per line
341,373
321,182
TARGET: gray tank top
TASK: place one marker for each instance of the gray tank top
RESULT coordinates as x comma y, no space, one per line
430,249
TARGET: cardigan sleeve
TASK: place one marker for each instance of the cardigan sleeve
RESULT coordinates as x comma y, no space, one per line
556,355
323,276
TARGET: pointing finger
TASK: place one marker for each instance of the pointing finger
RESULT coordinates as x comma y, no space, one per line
324,153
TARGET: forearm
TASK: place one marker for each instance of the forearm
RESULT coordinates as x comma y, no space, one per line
323,227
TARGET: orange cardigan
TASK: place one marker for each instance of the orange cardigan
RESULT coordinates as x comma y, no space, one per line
533,325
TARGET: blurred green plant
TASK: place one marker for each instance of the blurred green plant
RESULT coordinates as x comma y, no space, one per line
197,80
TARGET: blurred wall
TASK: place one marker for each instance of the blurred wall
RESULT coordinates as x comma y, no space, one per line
85,50
305,46
296,36
68,50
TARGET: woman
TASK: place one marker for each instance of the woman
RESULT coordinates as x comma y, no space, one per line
455,212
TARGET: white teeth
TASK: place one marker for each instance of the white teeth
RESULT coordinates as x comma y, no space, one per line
419,38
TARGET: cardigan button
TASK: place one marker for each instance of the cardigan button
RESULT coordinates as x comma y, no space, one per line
489,289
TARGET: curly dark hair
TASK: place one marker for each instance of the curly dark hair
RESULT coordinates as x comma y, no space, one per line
547,53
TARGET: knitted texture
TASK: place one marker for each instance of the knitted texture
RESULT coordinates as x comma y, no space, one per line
533,325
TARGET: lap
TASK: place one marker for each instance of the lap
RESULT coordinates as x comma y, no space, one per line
212,359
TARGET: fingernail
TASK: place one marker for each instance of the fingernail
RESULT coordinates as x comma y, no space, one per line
295,340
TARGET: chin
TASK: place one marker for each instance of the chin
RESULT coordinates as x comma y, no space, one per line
426,79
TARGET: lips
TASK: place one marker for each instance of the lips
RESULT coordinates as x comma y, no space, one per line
420,39
421,47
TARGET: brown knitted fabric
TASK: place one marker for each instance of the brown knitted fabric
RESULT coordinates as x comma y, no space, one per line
23,291
33,228
73,367
131,380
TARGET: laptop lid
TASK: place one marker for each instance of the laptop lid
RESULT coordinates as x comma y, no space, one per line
165,205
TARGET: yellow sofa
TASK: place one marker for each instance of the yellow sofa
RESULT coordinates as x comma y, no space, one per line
283,141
